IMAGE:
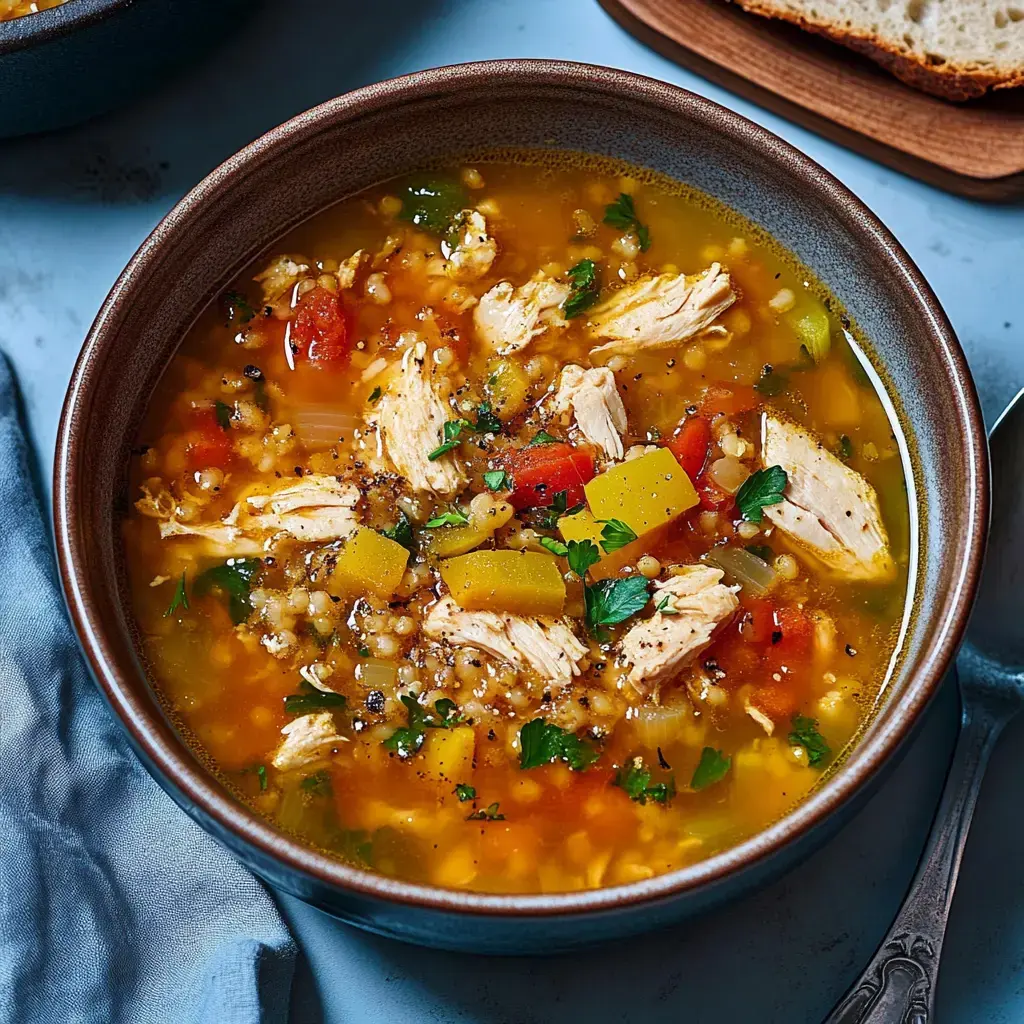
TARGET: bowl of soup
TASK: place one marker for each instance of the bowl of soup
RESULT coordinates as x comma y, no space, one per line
519,504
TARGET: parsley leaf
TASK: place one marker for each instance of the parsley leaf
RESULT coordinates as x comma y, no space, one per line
711,768
542,437
239,307
487,421
452,431
665,606
772,382
464,792
556,547
449,712
762,488
636,781
762,551
582,555
585,288
805,734
319,783
313,700
845,447
407,740
234,579
497,480
260,771
542,742
453,517
622,214
432,203
401,532
375,395
611,601
616,534
488,813
180,599
223,413
546,516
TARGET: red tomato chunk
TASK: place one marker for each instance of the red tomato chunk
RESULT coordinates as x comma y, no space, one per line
320,328
539,472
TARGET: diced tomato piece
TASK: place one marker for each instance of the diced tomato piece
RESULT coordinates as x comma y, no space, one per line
739,660
789,650
541,471
728,400
777,700
320,330
690,445
209,444
714,499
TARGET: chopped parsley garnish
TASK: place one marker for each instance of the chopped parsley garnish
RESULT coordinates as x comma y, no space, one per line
542,742
260,771
762,488
711,768
546,516
432,203
453,517
465,792
772,382
612,601
616,534
665,606
233,578
622,214
488,813
761,551
407,740
585,288
636,781
487,421
556,547
375,395
805,734
497,480
582,555
223,413
313,700
180,599
542,437
363,651
452,432
845,447
239,307
319,783
401,532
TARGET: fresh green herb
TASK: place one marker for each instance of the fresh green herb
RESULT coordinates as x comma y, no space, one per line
401,532
356,844
180,599
845,447
452,432
636,781
488,813
542,742
805,734
711,768
407,740
585,288
582,555
615,600
542,437
260,771
364,652
432,203
313,700
232,578
239,307
546,516
762,488
556,547
453,517
319,783
223,413
616,534
486,420
465,792
449,712
762,551
497,480
665,606
772,382
375,395
622,214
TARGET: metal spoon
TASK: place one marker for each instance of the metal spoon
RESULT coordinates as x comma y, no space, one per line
898,985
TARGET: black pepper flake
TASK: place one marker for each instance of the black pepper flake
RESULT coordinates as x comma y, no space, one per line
491,735
671,363
584,701
691,410
851,651
661,760
298,470
375,702
776,635
252,372
546,697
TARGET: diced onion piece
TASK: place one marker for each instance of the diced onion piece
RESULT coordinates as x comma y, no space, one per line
728,474
320,426
814,331
754,574
660,725
377,675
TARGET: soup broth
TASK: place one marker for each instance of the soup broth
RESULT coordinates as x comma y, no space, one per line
529,525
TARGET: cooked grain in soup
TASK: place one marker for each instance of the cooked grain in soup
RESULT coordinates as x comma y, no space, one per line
520,527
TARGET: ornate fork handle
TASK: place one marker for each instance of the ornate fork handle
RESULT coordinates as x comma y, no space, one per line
898,985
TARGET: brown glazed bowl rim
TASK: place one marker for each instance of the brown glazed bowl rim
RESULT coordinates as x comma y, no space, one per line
196,788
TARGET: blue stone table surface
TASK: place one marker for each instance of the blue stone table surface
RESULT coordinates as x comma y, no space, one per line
75,205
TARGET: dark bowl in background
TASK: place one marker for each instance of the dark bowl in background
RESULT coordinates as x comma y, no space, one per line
71,62
395,127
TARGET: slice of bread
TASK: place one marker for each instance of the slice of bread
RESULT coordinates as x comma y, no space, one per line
956,49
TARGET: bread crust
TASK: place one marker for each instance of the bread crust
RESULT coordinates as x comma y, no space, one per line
947,81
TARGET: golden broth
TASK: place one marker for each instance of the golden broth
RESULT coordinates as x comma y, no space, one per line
638,782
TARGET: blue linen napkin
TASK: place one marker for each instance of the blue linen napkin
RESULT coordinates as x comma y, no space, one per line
114,906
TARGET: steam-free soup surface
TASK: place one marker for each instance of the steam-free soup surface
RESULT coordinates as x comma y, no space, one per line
521,527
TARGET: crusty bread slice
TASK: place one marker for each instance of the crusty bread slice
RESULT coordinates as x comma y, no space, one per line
957,49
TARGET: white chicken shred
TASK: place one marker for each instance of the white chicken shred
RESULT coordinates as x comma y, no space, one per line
507,319
410,420
306,739
689,609
660,311
829,510
474,251
346,274
592,397
280,275
546,645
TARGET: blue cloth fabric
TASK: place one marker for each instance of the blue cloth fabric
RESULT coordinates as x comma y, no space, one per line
116,908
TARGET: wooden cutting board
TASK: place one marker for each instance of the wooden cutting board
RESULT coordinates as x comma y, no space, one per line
975,149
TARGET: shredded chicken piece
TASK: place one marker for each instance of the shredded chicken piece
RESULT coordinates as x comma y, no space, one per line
760,717
546,645
306,740
222,539
829,509
474,250
507,319
592,397
410,418
658,312
282,273
690,608
349,268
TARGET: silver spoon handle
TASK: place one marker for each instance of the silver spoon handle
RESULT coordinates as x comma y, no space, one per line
898,985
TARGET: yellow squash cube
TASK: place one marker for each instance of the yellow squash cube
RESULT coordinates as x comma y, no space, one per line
448,753
520,582
369,562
